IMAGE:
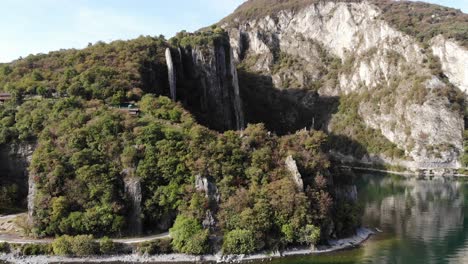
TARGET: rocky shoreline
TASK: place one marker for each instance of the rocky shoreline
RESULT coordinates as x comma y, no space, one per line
409,173
361,236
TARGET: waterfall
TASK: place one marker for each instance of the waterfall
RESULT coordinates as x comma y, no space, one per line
133,192
172,74
240,122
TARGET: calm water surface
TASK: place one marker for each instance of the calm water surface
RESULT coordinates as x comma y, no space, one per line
423,221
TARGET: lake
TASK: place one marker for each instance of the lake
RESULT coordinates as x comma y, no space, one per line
422,221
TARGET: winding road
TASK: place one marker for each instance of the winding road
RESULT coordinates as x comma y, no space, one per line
17,239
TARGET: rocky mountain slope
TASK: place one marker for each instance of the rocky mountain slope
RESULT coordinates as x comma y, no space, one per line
410,90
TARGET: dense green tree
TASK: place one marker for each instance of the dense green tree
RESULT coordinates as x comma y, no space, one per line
82,245
107,246
62,246
189,236
239,242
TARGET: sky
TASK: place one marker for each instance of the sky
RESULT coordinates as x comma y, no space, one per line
39,26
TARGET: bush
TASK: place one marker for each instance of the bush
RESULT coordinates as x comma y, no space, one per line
4,247
62,246
239,241
107,246
188,236
82,245
309,235
36,249
160,246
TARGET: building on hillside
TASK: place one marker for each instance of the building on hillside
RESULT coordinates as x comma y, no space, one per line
5,97
134,111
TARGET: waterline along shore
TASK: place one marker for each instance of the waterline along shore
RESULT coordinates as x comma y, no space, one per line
403,173
362,234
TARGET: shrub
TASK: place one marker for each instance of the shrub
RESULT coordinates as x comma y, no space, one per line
36,249
239,241
188,236
4,247
62,246
309,235
160,246
83,245
107,246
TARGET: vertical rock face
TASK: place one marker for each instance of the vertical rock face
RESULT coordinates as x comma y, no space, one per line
203,185
240,122
454,59
211,191
133,192
14,163
218,93
296,175
210,86
31,198
172,74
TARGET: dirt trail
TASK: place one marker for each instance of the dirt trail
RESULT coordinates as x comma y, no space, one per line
9,232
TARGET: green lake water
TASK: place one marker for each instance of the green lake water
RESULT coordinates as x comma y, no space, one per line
423,221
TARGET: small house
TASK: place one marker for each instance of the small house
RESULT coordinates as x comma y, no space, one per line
134,111
5,97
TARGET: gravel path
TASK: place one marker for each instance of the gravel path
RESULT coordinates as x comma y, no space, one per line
362,235
16,238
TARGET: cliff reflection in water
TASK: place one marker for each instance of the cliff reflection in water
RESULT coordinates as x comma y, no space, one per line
423,218
422,222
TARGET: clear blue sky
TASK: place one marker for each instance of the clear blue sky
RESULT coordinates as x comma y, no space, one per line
34,26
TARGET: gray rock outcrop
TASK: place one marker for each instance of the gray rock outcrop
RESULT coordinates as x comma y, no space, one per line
202,184
215,72
454,59
134,195
295,174
14,163
172,75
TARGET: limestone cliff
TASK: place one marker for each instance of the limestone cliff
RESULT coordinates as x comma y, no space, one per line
343,49
14,162
207,84
294,171
133,192
454,59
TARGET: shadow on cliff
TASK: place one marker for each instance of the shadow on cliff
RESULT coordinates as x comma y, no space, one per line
283,111
13,180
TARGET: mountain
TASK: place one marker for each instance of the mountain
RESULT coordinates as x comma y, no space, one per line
397,69
133,136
